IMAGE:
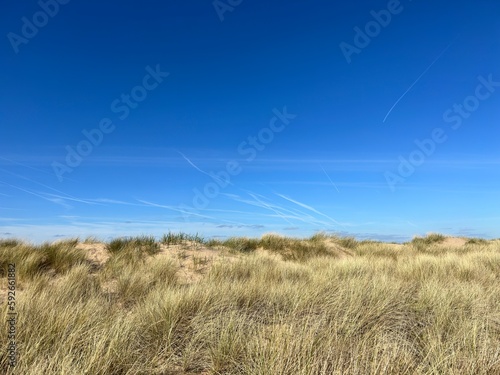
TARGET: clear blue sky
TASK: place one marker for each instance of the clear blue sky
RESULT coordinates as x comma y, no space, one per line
378,119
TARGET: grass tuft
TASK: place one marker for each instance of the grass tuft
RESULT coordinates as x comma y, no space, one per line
294,249
181,238
241,244
140,245
476,241
32,260
346,242
423,243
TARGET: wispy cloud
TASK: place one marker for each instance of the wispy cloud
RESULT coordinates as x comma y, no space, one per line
70,217
11,219
256,226
113,201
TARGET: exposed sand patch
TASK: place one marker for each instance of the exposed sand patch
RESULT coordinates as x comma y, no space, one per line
194,259
96,252
453,242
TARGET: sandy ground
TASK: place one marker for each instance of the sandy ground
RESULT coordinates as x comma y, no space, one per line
453,242
193,259
96,253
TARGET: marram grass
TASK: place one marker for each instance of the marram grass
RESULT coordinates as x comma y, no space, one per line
321,305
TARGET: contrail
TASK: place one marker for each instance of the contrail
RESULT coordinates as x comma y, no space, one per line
292,213
35,169
24,165
418,79
202,171
35,182
53,200
335,186
413,225
70,198
147,203
308,208
269,207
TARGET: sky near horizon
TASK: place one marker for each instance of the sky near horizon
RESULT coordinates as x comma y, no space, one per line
376,119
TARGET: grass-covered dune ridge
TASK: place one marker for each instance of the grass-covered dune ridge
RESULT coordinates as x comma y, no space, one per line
272,305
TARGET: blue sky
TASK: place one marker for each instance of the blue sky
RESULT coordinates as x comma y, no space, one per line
378,119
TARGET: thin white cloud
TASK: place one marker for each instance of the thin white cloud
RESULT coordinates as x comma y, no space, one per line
113,201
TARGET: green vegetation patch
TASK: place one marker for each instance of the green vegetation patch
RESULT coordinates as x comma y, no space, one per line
141,244
32,260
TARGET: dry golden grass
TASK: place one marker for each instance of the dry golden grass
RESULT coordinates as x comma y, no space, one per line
276,305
